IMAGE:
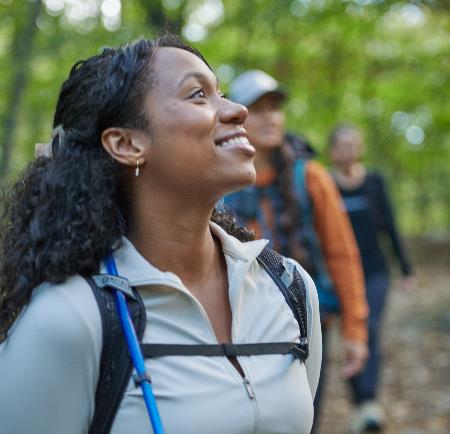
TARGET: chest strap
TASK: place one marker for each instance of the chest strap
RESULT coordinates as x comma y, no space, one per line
297,350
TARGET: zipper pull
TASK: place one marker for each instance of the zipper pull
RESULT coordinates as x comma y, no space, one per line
248,386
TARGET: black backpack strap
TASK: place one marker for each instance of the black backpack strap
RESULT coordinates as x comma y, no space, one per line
291,284
225,350
115,364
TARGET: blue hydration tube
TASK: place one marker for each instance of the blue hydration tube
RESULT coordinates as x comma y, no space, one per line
135,351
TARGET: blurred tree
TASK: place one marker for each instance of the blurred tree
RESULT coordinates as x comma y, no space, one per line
382,64
21,51
160,19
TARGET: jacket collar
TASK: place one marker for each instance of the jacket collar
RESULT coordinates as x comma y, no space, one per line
134,267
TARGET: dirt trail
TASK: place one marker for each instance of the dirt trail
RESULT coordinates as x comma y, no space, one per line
415,388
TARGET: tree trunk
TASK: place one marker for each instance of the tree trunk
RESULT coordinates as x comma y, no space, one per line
21,55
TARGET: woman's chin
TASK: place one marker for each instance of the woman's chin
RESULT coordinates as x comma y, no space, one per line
247,179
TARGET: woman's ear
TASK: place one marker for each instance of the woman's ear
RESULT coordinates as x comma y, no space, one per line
126,145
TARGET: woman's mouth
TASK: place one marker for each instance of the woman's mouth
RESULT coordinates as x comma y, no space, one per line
238,143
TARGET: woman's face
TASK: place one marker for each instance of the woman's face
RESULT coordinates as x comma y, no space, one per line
198,146
346,149
265,123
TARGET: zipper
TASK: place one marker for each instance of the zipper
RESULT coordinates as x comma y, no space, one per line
251,394
249,388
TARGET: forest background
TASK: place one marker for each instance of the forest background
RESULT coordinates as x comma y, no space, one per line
383,65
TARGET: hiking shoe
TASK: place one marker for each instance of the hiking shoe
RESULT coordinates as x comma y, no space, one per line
368,417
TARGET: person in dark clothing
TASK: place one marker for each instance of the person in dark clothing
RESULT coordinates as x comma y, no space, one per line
368,205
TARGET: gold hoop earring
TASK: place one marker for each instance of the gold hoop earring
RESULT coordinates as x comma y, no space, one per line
137,170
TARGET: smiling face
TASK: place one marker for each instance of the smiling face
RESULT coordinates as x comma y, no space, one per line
198,146
265,122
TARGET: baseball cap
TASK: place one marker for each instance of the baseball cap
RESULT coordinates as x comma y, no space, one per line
251,85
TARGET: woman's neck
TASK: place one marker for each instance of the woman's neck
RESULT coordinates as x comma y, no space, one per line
351,176
174,237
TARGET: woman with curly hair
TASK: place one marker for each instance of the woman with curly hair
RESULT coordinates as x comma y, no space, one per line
144,146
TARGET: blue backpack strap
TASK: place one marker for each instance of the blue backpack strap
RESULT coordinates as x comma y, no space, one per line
302,192
327,297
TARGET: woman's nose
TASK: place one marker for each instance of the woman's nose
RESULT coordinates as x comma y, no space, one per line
232,112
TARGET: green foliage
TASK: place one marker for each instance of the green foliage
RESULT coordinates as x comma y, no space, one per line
380,64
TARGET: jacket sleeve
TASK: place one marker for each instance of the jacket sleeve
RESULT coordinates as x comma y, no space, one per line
340,250
50,361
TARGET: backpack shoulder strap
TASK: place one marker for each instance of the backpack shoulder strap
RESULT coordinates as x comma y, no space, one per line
327,297
301,189
290,283
115,363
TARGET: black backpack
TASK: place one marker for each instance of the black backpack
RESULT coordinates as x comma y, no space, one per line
116,366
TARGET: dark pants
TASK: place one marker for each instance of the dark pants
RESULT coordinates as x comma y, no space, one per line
364,386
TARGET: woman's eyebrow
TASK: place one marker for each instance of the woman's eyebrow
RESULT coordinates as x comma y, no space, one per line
199,76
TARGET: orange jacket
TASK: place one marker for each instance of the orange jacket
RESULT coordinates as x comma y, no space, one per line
340,250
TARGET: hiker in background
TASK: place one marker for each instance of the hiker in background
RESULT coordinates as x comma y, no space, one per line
295,204
144,145
367,202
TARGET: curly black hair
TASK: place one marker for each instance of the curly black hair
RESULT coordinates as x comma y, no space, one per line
67,212
294,147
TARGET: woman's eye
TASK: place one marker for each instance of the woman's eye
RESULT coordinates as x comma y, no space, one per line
200,93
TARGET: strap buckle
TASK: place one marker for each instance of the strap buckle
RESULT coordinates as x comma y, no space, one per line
230,350
288,274
301,350
116,282
140,378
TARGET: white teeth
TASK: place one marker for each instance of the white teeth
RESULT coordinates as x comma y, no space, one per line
236,141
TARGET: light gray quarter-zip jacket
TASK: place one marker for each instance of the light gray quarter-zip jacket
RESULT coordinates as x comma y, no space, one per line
49,365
